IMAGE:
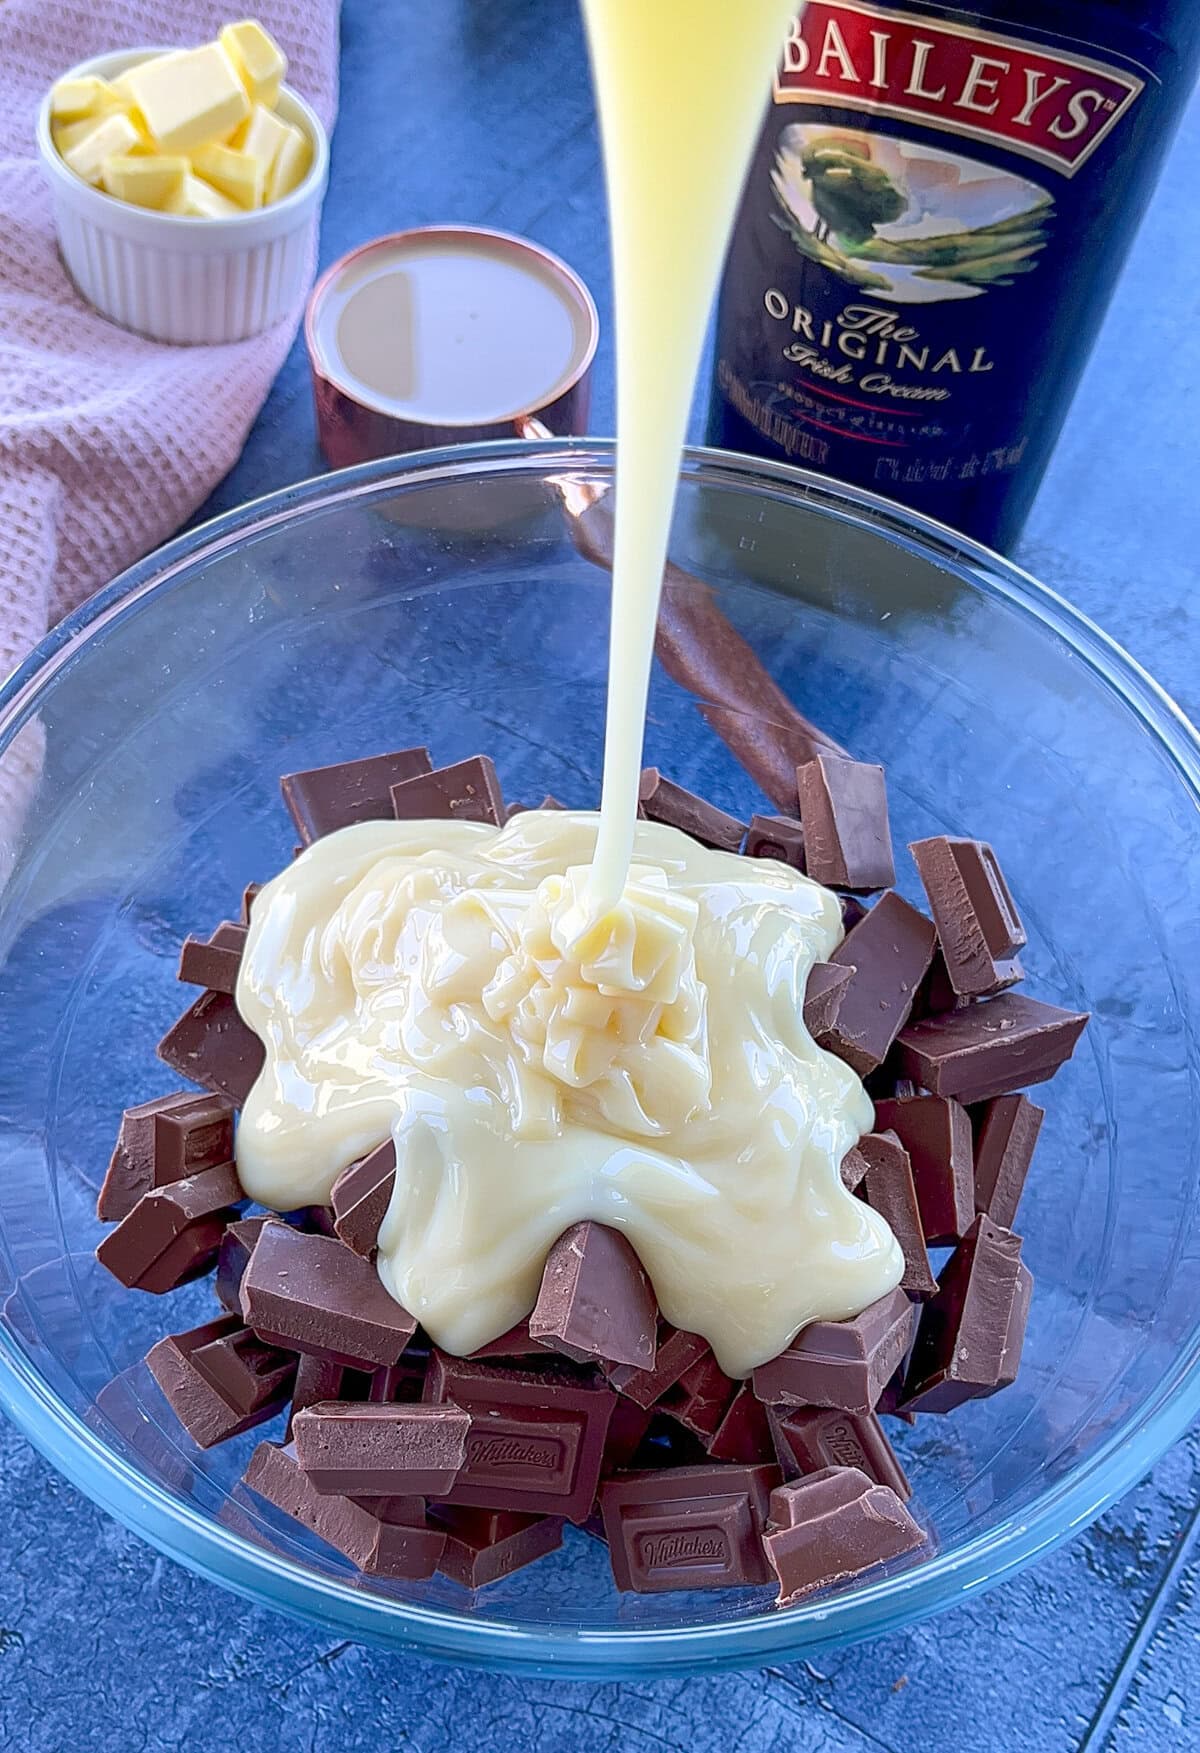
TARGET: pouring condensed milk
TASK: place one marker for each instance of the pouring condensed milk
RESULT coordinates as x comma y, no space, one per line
577,1016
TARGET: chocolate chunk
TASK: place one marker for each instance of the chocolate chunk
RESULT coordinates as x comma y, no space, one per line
360,1449
313,1294
889,951
935,993
969,1340
843,806
221,1380
237,1245
162,1141
382,1537
845,1364
537,1435
687,1528
327,798
854,1168
853,911
173,1232
831,1527
743,1433
515,1343
250,894
661,800
677,1352
320,1378
314,1220
808,1439
626,1429
888,1188
213,1046
214,963
936,1133
990,1048
484,1545
360,1198
978,924
467,792
823,995
701,1397
780,837
402,1383
595,1300
1006,1134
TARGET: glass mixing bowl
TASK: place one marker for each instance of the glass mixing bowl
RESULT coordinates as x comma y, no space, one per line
440,599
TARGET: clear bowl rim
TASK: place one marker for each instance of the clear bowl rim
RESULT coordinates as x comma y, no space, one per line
218,1554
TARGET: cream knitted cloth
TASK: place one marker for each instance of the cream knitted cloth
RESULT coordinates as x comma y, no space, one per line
107,442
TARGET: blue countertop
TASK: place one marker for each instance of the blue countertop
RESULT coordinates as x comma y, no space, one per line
481,111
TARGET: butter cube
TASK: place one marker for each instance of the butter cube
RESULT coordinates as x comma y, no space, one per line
111,137
291,164
260,62
262,136
189,98
68,134
72,99
236,174
148,180
199,200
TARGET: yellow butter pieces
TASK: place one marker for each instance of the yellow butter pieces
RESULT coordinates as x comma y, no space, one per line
199,200
72,99
189,98
291,164
113,137
236,174
149,180
260,62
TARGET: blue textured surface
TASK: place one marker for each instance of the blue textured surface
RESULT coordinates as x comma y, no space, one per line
479,110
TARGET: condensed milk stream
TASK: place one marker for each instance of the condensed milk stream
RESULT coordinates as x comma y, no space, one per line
578,1016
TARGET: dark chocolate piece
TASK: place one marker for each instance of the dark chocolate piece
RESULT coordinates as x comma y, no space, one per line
845,1364
162,1141
1006,1134
843,806
214,963
989,1049
780,837
661,800
173,1232
383,1537
237,1244
313,1294
537,1435
213,1046
677,1351
810,1438
831,1527
743,1433
467,792
687,1527
484,1545
889,951
827,983
978,924
326,798
365,1449
936,1133
701,1397
888,1188
220,1380
969,1341
360,1198
595,1300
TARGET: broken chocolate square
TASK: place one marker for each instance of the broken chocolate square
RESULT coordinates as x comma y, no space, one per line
213,1046
687,1527
844,1364
1006,1134
360,1198
978,924
827,983
810,1438
595,1300
469,791
661,800
484,1545
326,798
990,1048
162,1141
889,951
843,807
174,1232
888,1188
367,1449
220,1380
936,1133
313,1294
833,1526
214,963
969,1340
780,837
383,1537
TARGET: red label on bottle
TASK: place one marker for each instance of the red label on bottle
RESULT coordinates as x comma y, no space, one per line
1041,101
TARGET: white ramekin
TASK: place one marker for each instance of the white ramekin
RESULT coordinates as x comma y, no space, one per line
177,278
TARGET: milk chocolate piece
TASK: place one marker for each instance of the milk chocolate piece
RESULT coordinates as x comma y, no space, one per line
213,1046
743,1433
687,1528
780,837
935,993
888,1188
360,1449
936,1133
467,792
537,1434
969,1341
831,1527
320,1378
484,1545
360,1198
701,1397
1006,1134
382,1537
677,1352
626,1430
889,951
326,798
810,1438
844,1364
989,1049
313,1294
853,911
978,924
220,1380
400,1383
237,1244
214,963
250,894
843,806
661,800
515,1343
162,1141
853,1169
173,1232
827,983
595,1300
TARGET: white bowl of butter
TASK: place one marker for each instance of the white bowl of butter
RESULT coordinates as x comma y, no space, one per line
213,269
